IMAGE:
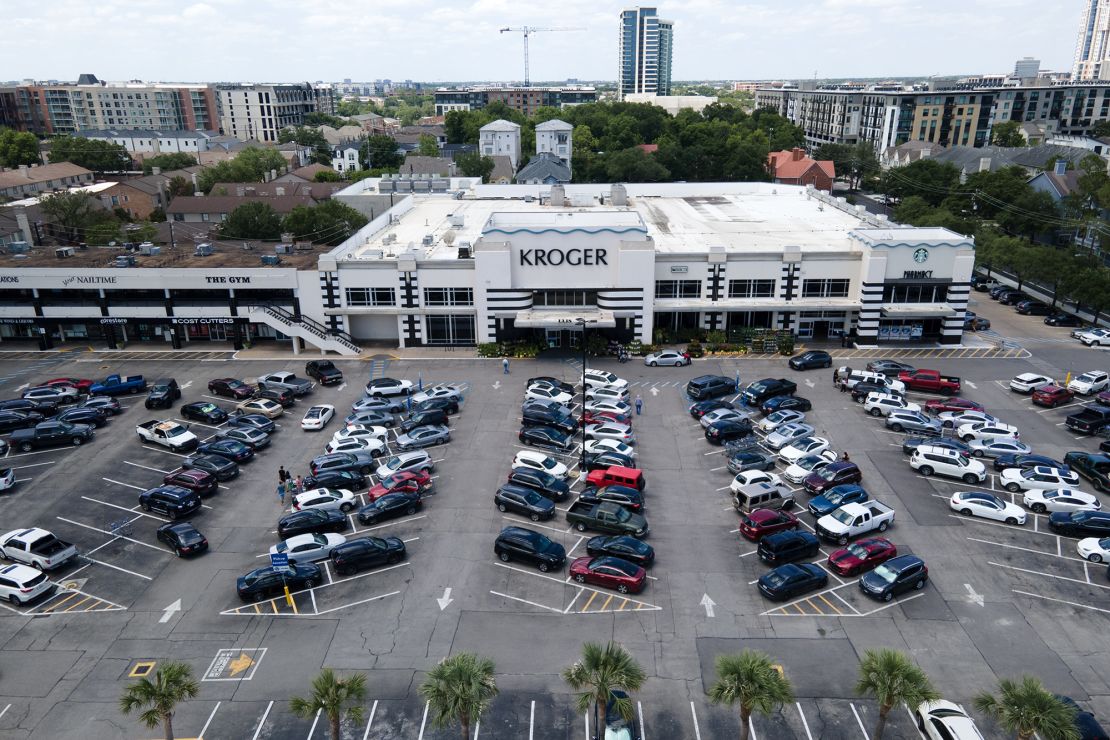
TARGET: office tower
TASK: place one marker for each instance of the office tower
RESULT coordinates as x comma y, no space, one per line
646,47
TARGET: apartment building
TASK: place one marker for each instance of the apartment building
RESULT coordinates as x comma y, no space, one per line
524,99
644,52
259,111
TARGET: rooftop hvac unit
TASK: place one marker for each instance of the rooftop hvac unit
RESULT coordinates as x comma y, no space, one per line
373,254
145,248
389,238
63,252
428,240
464,252
19,247
284,249
270,260
456,219
203,250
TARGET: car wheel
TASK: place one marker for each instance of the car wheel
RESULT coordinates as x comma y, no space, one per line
897,428
925,470
787,505
365,471
883,526
15,600
534,517
970,479
876,412
310,583
967,437
888,596
376,394
178,551
25,447
1013,487
1094,557
146,507
1011,520
622,588
965,512
580,526
842,540
134,391
257,596
504,556
580,578
345,507
502,508
1039,508
977,453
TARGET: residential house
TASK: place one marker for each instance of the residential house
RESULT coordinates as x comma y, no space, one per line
503,171
1060,183
344,158
500,137
304,174
903,154
213,209
545,168
440,166
342,135
147,143
556,137
25,181
795,167
318,191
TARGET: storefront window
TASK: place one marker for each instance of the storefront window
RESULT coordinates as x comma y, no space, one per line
751,288
554,298
450,330
448,297
915,293
677,288
371,297
825,288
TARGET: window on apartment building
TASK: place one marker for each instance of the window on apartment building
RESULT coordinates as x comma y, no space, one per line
825,288
677,288
448,297
751,288
370,297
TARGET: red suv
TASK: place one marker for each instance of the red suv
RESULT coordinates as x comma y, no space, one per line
200,481
1052,396
403,480
231,388
759,523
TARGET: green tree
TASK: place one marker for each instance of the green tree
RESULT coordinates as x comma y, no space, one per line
1091,288
892,678
633,165
381,152
1101,129
599,673
1026,708
853,162
323,119
473,164
328,222
250,165
751,680
459,689
172,684
18,147
169,162
179,185
310,137
71,212
428,146
252,220
928,179
334,697
326,176
105,232
1007,133
92,154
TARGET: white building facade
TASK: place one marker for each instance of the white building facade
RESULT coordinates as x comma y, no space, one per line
556,137
500,138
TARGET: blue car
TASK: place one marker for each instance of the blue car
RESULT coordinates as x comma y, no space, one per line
783,403
836,497
229,448
1027,462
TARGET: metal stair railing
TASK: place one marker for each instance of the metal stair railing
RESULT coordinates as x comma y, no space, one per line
313,326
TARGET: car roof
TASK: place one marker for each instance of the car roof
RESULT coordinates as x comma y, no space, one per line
904,561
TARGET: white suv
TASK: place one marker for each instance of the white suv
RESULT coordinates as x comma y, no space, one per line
1040,477
932,460
987,430
597,378
414,460
1089,382
21,583
881,404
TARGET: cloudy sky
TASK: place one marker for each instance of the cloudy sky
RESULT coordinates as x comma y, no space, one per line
435,40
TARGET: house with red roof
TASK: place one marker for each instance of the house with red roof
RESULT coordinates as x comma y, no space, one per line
795,167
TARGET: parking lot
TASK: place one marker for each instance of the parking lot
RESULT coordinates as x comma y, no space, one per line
1001,599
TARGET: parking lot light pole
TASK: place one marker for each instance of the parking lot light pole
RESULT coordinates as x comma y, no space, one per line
582,456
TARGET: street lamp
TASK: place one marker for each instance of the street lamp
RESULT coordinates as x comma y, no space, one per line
581,321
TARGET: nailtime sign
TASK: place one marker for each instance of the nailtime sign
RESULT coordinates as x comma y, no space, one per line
559,257
78,279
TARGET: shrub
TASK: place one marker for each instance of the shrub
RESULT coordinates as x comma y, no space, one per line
715,337
694,349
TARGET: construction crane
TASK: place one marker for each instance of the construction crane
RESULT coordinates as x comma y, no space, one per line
528,31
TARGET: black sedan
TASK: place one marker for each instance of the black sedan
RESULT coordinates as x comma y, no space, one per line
448,405
252,421
785,403
788,581
810,360
1080,523
312,521
366,552
889,367
524,501
111,405
605,460
910,444
861,390
205,412
220,467
546,437
541,482
229,449
1027,462
550,382
624,547
1062,319
252,438
390,506
183,538
701,408
12,420
76,415
282,396
623,496
267,581
752,459
350,480
41,406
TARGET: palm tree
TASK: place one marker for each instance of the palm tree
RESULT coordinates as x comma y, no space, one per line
601,672
892,678
753,681
173,683
334,696
460,689
1026,708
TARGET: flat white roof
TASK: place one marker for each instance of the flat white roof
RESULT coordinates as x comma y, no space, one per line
680,218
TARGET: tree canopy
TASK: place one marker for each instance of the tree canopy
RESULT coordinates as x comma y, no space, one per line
253,220
381,151
92,154
168,162
311,137
328,222
1007,133
251,165
18,147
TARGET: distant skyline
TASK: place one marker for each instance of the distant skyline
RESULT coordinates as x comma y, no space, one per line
436,40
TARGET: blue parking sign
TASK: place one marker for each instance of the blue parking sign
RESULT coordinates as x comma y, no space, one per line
279,561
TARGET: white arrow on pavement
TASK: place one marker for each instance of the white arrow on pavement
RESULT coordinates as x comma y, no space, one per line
654,391
708,603
497,385
186,385
972,596
445,599
168,612
969,384
25,385
810,383
341,386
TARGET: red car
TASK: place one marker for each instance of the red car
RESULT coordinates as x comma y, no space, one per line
200,481
609,572
1103,398
761,522
939,405
403,480
231,388
605,417
1052,396
81,384
861,555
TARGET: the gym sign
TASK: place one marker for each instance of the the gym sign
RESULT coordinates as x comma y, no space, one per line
557,257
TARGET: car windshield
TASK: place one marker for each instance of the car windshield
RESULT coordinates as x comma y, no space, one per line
164,388
885,573
843,516
207,407
856,550
775,578
827,473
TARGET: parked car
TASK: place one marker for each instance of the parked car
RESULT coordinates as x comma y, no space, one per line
1062,319
787,547
998,446
774,420
792,579
609,572
388,387
895,576
729,429
1028,382
317,417
786,434
1080,523
548,380
162,394
205,412
762,390
547,485
325,498
1089,382
183,538
810,360
706,387
252,438
252,421
415,460
282,396
913,422
1060,499
263,406
169,501
77,415
546,437
910,444
1052,396
955,405
367,552
539,461
934,459
785,403
424,436
945,720
305,548
1033,308
312,520
529,546
889,367
701,408
881,404
670,357
1016,479
835,497
861,556
231,388
758,524
986,430
622,546
1095,467
1026,462
523,501
323,372
216,465
986,505
268,581
200,481
832,476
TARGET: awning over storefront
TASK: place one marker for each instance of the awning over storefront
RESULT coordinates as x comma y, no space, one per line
565,319
918,311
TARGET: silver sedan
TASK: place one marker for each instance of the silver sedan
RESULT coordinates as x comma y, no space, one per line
997,447
424,436
786,434
667,357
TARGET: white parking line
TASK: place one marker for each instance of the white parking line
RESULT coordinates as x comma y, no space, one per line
1085,582
640,714
694,714
1032,550
859,721
1062,601
5,709
805,725
373,711
32,465
314,721
145,467
126,485
116,567
206,724
124,508
114,536
423,721
530,603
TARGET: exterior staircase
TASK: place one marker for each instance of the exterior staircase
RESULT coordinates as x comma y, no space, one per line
312,332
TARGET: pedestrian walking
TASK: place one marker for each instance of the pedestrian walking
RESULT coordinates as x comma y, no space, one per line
505,365
844,458
290,488
298,485
283,476
639,404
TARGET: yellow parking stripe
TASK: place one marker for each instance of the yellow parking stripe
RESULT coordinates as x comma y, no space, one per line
831,605
273,605
640,605
623,605
79,603
293,605
257,610
586,606
67,599
800,610
605,606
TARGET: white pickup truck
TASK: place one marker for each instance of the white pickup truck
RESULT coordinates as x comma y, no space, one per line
37,548
171,434
852,520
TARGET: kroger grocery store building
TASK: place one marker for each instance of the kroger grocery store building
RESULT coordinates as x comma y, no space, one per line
460,263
